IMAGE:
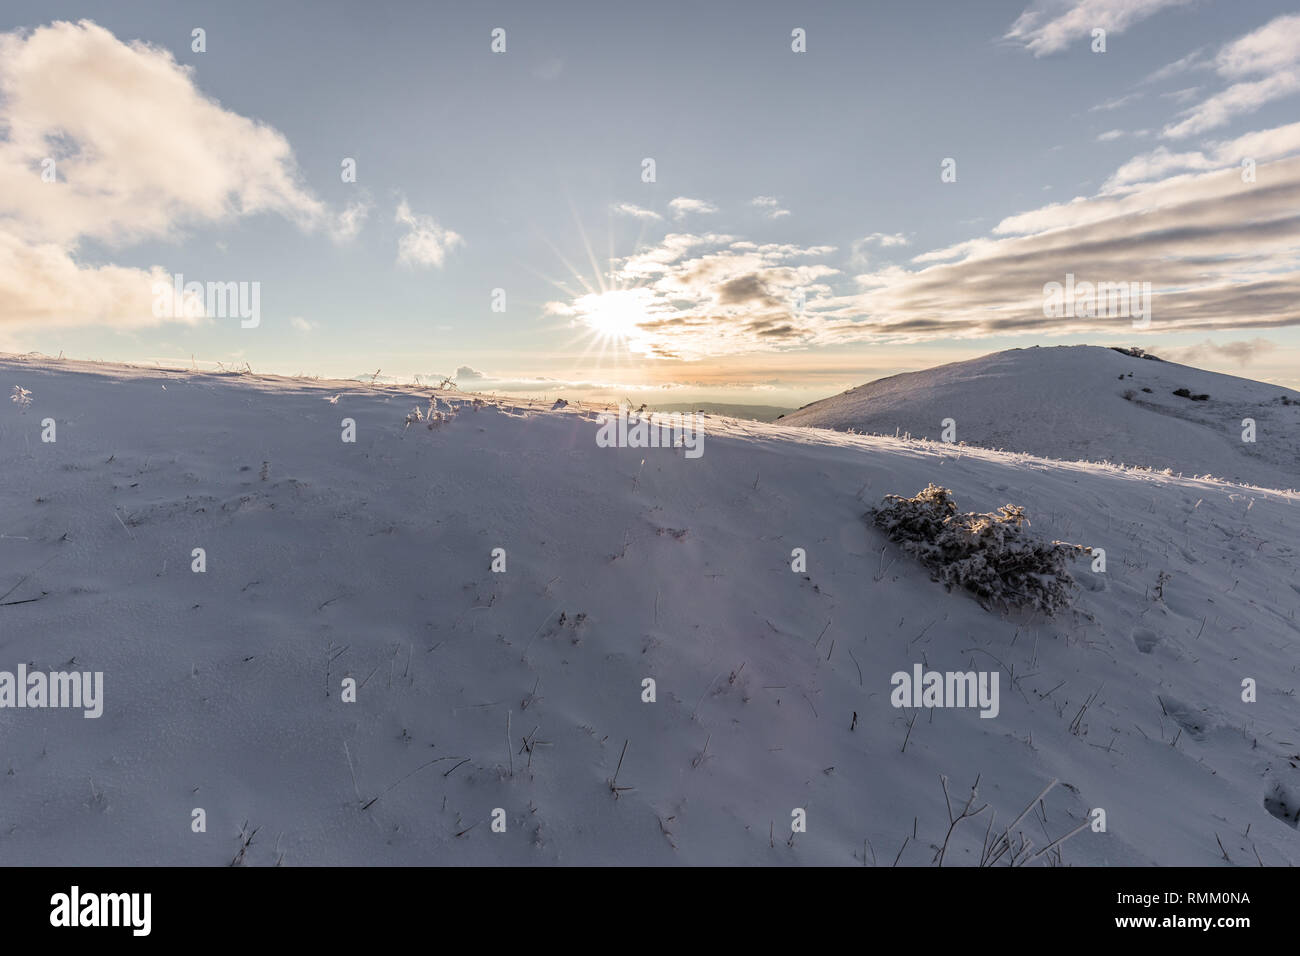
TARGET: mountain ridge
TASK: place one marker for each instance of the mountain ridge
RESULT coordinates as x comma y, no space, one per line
1085,402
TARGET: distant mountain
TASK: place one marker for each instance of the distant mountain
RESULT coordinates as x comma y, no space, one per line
1085,402
758,413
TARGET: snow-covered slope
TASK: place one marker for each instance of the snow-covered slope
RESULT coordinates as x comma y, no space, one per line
520,690
1085,402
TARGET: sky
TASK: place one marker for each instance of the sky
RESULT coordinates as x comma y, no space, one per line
747,202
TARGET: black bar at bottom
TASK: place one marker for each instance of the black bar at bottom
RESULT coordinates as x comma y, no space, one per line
364,906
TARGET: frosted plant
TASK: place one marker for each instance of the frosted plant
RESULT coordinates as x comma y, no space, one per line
21,397
431,416
991,554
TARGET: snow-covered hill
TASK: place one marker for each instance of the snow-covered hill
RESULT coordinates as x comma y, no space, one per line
1085,402
523,690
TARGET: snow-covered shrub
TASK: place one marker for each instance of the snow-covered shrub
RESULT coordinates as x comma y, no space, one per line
21,397
991,555
1136,352
431,418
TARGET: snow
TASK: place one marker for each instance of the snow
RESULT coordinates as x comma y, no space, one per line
1068,402
373,560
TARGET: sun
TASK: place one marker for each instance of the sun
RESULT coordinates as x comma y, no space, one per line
614,318
614,315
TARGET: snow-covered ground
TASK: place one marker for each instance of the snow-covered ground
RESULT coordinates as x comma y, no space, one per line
521,690
1085,402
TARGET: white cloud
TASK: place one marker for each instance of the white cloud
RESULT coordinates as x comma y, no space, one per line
1049,26
1116,103
1183,95
1155,164
1110,134
1274,46
426,243
682,206
1193,61
670,250
707,295
636,212
860,250
886,239
770,205
42,285
1259,146
1242,352
300,324
139,154
1271,52
1238,99
1219,254
120,177
347,224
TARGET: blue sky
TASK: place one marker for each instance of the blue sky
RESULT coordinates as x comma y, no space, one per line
812,176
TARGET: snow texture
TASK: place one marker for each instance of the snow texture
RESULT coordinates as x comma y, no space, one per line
523,689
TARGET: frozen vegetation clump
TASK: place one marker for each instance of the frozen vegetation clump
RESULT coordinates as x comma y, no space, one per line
992,555
1136,352
431,418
